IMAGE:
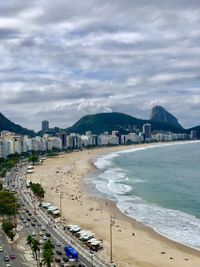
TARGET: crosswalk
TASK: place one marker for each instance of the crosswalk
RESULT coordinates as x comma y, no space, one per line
27,253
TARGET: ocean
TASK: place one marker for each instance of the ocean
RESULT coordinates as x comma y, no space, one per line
158,186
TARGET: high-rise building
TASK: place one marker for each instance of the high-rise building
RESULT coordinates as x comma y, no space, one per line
193,134
63,138
45,126
147,131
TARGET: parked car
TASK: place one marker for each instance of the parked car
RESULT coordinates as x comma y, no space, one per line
1,249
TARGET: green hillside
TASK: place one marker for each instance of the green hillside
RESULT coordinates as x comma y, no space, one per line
102,122
6,124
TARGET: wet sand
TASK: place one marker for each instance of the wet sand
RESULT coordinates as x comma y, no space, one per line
133,243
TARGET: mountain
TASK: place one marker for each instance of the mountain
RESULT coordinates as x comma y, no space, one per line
6,124
160,114
107,122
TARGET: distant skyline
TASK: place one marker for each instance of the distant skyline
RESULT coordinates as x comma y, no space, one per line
61,60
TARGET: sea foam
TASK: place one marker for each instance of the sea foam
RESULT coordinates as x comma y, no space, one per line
174,224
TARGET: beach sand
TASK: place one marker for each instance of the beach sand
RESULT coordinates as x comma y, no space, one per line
133,244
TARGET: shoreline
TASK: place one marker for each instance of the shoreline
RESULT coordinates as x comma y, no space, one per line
144,248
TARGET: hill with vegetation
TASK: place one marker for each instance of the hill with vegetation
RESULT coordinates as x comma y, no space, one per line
114,121
7,125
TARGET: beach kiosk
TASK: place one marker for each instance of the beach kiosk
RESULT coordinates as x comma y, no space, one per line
71,253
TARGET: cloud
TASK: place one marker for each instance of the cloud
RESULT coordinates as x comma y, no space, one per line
62,59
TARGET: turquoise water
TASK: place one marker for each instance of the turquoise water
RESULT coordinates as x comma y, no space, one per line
159,186
168,176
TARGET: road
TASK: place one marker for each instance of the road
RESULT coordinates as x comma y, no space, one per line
9,250
18,177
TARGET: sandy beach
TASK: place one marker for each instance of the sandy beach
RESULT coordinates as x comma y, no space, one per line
133,244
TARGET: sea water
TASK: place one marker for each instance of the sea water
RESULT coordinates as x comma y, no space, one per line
158,186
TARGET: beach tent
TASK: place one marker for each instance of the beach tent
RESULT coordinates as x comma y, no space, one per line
52,208
46,204
55,212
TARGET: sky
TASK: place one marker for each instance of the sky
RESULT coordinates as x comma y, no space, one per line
63,59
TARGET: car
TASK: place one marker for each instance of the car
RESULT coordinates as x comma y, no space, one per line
27,225
65,259
33,224
48,234
57,259
24,221
12,257
33,234
28,219
40,233
1,249
43,228
62,264
8,265
39,224
45,237
41,241
6,258
58,244
59,252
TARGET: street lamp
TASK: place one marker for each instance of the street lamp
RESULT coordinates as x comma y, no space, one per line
92,258
111,238
61,196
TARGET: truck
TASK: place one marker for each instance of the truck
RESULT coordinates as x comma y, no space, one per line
71,253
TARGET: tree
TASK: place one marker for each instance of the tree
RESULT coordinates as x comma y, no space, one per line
48,245
36,248
34,158
11,235
37,189
47,255
7,227
8,204
1,186
29,241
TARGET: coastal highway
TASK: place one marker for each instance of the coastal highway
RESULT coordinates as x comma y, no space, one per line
7,251
58,234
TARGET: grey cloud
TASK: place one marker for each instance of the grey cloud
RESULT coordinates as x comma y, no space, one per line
63,59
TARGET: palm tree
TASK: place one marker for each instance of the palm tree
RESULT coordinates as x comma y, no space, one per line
47,255
29,241
36,248
48,245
